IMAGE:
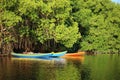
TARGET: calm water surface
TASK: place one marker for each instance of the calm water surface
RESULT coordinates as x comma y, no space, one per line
98,67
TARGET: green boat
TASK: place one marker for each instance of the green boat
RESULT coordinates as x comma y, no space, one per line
31,55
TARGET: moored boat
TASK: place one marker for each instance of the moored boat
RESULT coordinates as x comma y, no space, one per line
77,58
31,55
58,54
75,54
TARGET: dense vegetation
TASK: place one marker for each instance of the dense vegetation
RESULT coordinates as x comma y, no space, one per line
56,25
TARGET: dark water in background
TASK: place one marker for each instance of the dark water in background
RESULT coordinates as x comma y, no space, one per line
99,67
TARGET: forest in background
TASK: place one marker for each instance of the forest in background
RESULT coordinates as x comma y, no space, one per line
57,25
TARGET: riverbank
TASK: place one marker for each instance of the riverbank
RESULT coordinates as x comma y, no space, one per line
4,55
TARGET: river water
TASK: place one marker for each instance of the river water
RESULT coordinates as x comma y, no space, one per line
93,67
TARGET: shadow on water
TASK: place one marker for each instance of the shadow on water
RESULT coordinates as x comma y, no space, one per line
83,71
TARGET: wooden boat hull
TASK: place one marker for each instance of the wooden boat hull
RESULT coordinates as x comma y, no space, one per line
35,55
58,54
75,54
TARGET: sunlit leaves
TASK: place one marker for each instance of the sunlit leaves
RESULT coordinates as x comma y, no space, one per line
52,23
27,6
67,36
9,19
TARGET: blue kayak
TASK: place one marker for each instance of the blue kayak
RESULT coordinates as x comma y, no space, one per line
31,55
58,54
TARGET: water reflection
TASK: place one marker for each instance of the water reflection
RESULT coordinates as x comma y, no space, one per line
85,73
103,67
37,69
99,67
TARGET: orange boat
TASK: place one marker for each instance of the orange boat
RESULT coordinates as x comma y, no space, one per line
74,58
75,54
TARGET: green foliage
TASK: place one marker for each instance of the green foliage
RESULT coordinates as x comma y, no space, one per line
100,20
41,21
61,22
52,23
9,19
67,35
